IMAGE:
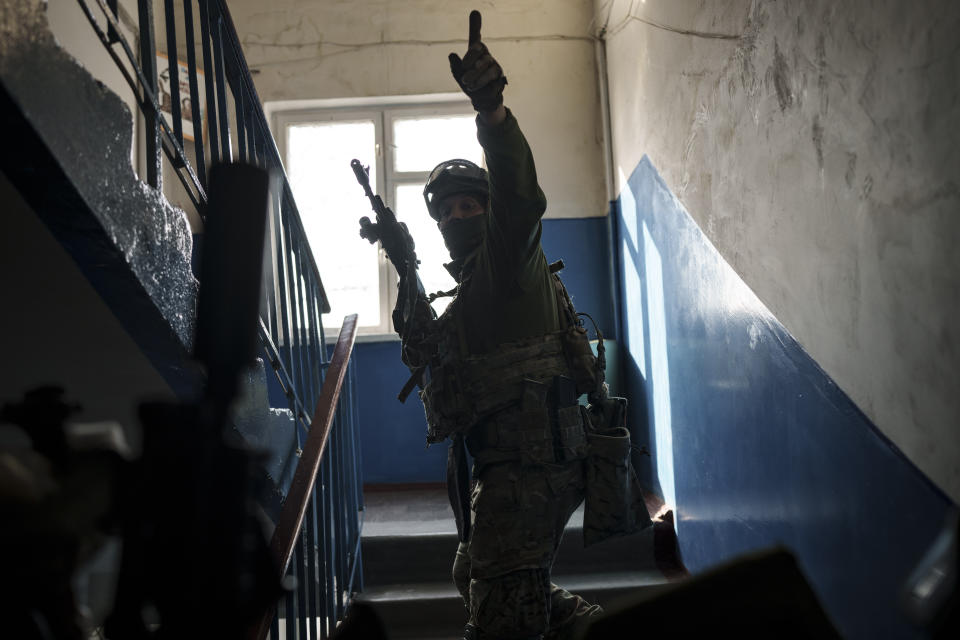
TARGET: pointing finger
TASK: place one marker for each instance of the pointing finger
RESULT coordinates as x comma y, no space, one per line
474,27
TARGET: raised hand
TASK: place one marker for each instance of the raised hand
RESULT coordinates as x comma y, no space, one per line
478,74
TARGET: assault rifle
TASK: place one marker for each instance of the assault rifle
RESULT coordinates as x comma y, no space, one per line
399,246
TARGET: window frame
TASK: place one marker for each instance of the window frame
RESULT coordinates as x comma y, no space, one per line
383,111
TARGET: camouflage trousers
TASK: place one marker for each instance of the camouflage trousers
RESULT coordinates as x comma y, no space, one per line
503,570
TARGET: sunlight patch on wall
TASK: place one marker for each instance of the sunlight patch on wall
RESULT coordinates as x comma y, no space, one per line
634,304
660,370
628,211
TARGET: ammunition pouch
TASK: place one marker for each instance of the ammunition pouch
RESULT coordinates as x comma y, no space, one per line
613,501
583,364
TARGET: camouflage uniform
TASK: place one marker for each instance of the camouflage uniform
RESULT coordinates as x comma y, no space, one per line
506,378
503,573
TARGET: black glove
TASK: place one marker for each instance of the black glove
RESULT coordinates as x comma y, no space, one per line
478,74
398,243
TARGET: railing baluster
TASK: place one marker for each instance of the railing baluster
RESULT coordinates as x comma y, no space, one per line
206,42
275,628
296,346
279,265
238,99
300,560
318,344
148,60
328,538
313,354
286,295
332,541
174,71
112,34
290,630
312,586
357,481
216,30
196,112
252,138
337,527
341,522
287,291
306,357
267,315
345,505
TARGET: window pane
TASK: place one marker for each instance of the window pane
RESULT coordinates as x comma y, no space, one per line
420,144
429,243
330,203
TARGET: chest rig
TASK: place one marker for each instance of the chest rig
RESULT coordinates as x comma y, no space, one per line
520,396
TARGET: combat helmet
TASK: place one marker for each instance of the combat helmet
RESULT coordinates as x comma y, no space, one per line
450,177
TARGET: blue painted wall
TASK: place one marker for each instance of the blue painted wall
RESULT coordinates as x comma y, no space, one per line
752,442
393,435
584,246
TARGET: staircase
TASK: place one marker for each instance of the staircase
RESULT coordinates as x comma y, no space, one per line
409,541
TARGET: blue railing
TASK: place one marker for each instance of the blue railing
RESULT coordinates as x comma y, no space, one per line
330,537
224,117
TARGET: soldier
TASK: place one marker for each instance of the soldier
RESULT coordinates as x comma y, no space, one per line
506,363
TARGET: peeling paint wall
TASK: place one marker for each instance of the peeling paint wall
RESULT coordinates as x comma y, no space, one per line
815,143
298,49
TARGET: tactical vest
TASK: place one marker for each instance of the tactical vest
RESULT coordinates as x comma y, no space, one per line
513,388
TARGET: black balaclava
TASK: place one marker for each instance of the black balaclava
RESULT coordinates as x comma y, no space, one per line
463,236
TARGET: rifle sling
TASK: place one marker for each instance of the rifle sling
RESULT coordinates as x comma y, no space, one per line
412,381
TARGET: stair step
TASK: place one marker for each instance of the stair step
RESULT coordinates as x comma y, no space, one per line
409,543
435,609
398,559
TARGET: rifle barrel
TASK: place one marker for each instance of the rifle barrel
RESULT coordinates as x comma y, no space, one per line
363,178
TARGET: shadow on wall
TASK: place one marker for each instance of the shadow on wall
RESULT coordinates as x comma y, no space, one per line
640,270
752,443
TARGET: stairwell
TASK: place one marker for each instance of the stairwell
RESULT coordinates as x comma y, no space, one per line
409,541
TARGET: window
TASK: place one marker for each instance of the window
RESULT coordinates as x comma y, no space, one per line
317,145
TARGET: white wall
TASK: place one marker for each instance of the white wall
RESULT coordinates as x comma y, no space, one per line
300,49
73,33
817,147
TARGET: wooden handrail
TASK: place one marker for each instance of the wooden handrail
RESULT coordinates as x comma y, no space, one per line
295,506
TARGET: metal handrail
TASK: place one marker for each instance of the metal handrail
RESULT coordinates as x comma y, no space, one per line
298,502
326,561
